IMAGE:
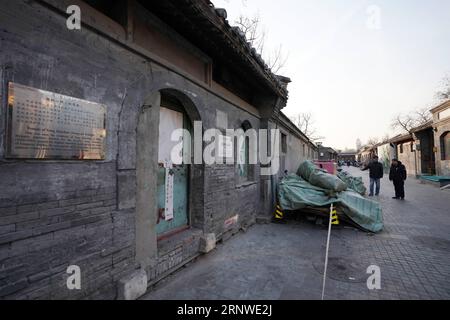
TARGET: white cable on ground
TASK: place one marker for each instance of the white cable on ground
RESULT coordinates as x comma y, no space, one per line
326,253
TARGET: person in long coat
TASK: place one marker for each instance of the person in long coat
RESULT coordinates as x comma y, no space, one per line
397,175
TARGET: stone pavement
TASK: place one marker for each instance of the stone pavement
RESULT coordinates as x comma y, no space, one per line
285,261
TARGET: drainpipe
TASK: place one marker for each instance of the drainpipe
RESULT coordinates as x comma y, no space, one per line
275,185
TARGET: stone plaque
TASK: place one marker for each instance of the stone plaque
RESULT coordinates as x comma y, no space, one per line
47,125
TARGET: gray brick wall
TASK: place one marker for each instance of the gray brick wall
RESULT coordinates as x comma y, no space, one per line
44,234
173,253
53,213
225,199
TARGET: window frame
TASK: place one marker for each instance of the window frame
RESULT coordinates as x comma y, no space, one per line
249,176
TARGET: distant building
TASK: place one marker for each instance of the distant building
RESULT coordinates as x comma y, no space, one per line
347,156
386,151
295,147
424,148
365,154
405,152
327,154
414,150
441,135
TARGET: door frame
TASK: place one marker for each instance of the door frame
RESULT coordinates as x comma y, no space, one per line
172,103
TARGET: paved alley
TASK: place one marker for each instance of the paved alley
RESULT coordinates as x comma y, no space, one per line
276,261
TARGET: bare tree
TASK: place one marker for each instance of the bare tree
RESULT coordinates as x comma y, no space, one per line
256,35
444,93
403,122
277,60
407,122
305,122
372,141
385,138
422,116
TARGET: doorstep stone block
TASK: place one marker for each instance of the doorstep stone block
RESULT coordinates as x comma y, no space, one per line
132,286
207,242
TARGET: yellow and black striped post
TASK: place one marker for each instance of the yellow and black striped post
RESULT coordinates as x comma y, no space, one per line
279,215
334,217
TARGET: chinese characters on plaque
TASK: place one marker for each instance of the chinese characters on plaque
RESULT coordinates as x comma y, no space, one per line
47,125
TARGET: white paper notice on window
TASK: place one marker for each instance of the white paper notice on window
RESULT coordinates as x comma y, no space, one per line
168,212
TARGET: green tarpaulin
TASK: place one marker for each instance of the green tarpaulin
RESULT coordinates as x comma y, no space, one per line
354,183
295,193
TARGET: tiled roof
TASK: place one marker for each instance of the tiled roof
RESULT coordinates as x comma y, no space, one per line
202,22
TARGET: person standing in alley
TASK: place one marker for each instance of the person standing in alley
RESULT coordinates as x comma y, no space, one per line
397,175
375,174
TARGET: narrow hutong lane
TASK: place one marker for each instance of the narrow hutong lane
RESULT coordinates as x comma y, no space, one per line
285,261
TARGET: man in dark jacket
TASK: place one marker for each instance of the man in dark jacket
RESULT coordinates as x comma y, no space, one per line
397,174
375,174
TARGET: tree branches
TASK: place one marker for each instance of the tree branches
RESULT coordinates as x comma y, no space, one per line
305,122
372,141
406,122
277,60
444,93
256,35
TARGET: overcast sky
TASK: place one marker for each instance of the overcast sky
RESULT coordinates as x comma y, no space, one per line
352,70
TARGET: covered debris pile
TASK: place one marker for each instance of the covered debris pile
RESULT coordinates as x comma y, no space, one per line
313,189
353,183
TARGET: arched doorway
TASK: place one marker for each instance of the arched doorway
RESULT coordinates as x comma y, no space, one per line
444,140
173,171
159,181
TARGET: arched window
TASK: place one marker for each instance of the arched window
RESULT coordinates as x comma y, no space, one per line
445,146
